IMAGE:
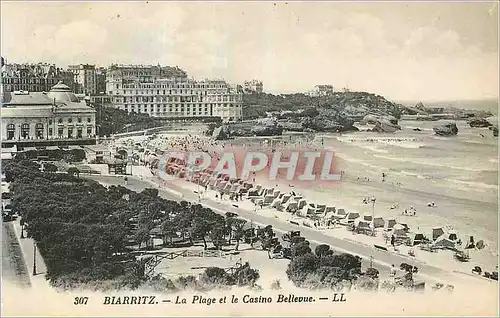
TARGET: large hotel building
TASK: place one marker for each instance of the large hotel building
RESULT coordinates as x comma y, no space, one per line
168,92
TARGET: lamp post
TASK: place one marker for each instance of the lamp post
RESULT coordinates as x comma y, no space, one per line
34,258
373,199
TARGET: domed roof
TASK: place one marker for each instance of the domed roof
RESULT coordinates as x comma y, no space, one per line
62,93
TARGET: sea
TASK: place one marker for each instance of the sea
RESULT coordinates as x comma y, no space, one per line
459,174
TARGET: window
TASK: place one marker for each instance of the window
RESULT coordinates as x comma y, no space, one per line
89,131
70,133
50,121
89,120
60,132
70,120
79,119
60,121
79,132
25,131
11,131
50,131
39,131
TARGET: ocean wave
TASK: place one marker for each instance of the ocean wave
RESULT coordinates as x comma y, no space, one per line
428,163
415,127
408,142
474,184
467,185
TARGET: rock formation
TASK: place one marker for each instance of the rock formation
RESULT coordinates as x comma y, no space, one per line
479,122
446,129
495,130
385,124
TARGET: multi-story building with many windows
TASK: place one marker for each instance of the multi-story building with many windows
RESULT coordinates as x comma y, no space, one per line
254,86
167,92
85,78
36,116
33,77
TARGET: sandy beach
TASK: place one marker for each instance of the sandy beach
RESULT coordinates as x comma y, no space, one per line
453,210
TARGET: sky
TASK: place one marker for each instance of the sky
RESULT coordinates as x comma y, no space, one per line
401,50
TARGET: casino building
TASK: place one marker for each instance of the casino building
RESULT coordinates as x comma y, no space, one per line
56,117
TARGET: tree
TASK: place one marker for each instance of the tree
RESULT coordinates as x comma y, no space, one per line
300,267
372,273
200,227
215,276
237,230
300,249
73,171
322,250
50,167
245,275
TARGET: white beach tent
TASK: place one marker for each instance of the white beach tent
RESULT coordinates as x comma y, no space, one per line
398,230
444,242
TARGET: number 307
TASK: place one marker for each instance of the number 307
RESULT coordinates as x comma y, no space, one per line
81,300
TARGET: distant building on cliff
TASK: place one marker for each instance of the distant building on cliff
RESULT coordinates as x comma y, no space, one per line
164,91
254,86
321,90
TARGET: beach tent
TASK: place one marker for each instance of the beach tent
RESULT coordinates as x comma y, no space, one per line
452,235
330,209
362,224
329,215
391,223
437,232
276,203
291,206
320,208
351,216
340,214
254,192
480,245
406,227
378,222
268,199
398,230
444,242
302,203
469,242
367,217
285,198
417,238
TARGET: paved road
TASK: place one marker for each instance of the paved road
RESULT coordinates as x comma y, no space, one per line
381,259
14,268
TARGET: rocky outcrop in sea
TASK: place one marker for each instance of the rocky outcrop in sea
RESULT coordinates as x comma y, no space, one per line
383,124
495,130
479,122
446,129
